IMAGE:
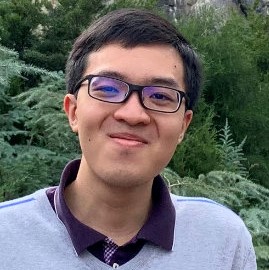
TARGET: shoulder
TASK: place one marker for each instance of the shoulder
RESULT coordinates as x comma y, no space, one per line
204,220
12,204
209,216
212,228
20,208
26,214
203,207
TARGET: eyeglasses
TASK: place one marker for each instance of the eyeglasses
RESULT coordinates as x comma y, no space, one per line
155,98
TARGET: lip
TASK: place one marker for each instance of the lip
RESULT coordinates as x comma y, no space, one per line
128,138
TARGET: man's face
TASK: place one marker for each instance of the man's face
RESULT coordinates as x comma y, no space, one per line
124,144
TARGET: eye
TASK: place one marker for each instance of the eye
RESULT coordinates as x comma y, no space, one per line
160,96
105,90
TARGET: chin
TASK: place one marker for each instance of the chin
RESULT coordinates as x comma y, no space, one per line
124,179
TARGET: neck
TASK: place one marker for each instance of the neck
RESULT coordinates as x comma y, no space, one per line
117,212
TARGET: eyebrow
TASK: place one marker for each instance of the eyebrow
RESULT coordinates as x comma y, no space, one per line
158,81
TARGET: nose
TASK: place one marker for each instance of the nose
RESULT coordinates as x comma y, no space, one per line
132,112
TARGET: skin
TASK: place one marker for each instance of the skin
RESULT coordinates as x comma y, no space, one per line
124,146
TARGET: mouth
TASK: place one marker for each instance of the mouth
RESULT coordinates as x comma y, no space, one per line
128,139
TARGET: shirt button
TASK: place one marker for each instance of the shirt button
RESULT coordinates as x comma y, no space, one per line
115,265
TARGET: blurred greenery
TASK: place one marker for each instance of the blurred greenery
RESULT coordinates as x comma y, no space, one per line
235,53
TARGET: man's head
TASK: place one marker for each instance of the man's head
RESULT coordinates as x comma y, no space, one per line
130,28
129,78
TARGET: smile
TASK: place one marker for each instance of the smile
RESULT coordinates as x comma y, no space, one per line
127,139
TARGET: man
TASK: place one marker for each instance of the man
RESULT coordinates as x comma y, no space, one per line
132,81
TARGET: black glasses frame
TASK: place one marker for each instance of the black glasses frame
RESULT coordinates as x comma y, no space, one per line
132,88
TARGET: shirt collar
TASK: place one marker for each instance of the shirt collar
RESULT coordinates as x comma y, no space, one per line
158,229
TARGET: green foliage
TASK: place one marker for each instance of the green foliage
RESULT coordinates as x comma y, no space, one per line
232,155
41,33
35,154
64,22
10,111
214,152
28,169
44,118
32,130
235,55
11,66
7,66
247,199
198,152
19,19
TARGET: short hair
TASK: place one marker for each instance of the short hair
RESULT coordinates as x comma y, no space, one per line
131,28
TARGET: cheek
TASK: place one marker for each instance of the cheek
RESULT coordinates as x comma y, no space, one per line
171,132
85,124
169,137
91,119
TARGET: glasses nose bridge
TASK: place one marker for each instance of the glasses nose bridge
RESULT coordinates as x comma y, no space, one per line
135,88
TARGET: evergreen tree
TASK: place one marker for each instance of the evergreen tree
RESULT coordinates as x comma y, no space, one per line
235,50
19,23
232,156
64,22
198,152
24,164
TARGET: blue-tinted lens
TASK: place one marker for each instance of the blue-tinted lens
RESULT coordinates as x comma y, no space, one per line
108,89
161,98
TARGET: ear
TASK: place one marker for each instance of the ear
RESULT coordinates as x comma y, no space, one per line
70,108
185,124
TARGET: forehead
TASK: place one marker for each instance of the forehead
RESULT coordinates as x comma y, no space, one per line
139,65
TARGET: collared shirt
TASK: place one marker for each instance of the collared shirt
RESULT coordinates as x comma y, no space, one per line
158,229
